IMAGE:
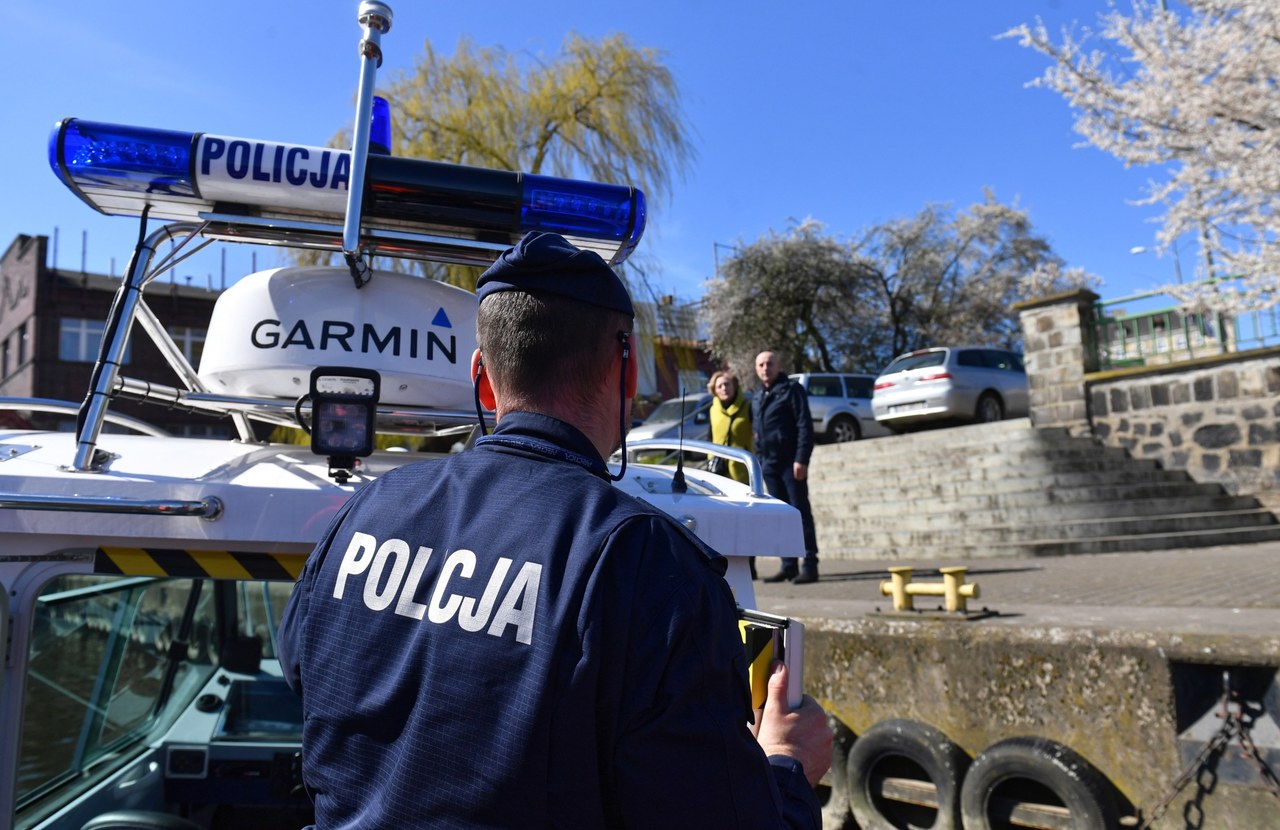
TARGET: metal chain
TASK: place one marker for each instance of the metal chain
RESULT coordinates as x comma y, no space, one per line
1216,744
1233,726
1265,772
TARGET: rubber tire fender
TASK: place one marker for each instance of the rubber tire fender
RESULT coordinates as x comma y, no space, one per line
1081,788
942,761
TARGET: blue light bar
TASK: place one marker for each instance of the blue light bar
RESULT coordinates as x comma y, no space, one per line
151,165
120,170
572,208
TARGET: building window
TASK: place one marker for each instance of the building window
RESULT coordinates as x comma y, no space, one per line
22,345
191,341
80,341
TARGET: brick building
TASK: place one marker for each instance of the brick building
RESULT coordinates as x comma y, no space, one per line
51,327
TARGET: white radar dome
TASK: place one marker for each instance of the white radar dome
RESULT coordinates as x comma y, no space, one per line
270,329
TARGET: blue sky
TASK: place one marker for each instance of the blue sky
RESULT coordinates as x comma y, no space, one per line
852,112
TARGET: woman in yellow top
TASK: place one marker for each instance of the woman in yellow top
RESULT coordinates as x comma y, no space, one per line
730,419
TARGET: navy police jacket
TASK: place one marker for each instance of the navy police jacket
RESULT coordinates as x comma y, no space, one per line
503,639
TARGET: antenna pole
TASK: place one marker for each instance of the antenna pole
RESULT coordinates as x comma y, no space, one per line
678,484
375,19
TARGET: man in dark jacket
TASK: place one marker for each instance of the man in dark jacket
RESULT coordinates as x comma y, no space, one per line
784,441
505,640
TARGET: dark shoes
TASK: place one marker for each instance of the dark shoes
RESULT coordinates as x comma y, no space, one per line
803,575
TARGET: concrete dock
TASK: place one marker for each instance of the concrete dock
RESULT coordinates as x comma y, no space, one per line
1119,656
1213,589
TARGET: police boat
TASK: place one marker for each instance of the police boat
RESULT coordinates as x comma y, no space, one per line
142,575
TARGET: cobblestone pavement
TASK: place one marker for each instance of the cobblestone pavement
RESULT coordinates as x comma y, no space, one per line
1234,577
1230,591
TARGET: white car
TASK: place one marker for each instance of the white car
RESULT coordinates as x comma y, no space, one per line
968,384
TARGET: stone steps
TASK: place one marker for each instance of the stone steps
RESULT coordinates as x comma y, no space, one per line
1066,547
866,489
1098,492
957,436
1005,459
1008,489
966,534
880,516
1137,542
1018,471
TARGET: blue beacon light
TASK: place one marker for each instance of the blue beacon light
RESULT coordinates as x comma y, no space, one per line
120,170
380,127
106,159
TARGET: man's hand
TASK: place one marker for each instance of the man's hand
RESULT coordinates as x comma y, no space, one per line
799,471
801,733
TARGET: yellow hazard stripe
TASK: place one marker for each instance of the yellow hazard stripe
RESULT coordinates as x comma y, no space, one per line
133,561
222,565
293,563
193,564
758,642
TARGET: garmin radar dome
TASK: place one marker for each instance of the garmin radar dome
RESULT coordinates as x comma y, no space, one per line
271,328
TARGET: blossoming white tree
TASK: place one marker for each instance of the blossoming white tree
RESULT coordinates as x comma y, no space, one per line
941,277
1194,93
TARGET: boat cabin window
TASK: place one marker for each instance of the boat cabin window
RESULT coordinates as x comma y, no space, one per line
114,661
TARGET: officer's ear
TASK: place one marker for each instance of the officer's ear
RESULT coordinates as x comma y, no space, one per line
481,379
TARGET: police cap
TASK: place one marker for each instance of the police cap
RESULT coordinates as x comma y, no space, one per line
547,262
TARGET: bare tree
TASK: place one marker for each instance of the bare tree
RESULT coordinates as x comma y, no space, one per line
1195,95
801,293
948,278
937,278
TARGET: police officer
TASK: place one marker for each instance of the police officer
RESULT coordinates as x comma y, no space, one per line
503,639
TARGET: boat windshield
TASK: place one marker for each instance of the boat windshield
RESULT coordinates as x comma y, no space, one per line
114,659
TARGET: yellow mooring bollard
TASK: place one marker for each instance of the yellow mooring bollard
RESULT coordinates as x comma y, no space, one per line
954,590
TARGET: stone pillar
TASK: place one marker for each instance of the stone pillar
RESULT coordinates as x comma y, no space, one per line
1058,335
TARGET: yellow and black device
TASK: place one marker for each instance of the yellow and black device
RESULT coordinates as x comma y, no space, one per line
767,638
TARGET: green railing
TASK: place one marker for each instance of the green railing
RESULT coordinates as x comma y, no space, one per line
1174,334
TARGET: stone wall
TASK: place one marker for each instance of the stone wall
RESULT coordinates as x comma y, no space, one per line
1113,694
1217,418
1057,335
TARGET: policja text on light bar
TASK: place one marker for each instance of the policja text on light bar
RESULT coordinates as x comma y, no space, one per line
119,170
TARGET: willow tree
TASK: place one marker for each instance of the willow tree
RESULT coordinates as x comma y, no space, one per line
1193,93
603,110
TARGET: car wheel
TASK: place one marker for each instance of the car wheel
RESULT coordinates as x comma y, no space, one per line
989,408
843,428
